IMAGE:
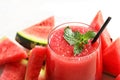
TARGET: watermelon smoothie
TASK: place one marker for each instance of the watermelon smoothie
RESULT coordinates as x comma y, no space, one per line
61,64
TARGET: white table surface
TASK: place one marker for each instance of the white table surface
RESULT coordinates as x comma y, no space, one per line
18,14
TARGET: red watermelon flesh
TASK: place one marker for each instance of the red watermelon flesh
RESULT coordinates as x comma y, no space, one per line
96,25
42,29
111,58
41,32
97,21
10,52
118,77
36,58
13,71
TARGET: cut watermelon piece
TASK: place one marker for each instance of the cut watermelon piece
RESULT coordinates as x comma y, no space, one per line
118,77
36,58
97,21
36,34
13,71
96,25
10,52
111,58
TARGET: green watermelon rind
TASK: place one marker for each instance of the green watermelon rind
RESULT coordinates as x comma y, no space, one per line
29,41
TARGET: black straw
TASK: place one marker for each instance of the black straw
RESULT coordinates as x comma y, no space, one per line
101,30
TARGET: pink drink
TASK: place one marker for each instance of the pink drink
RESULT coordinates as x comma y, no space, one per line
61,63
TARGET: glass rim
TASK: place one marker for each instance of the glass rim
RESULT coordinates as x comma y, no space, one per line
66,57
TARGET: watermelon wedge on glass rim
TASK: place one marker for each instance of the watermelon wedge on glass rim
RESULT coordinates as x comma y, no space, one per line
96,24
36,34
10,52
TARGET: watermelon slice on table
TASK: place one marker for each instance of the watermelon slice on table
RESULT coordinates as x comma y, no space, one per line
36,34
36,58
10,52
96,25
13,71
111,58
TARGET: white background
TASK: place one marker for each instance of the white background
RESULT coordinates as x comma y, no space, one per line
19,14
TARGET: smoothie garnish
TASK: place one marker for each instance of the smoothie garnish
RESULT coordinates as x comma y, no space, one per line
77,40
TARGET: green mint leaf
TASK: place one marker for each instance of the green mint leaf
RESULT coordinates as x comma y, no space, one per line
77,35
77,39
89,35
69,35
77,49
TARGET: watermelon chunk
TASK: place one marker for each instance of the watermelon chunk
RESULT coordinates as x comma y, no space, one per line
13,71
111,58
10,52
36,34
36,58
96,25
118,77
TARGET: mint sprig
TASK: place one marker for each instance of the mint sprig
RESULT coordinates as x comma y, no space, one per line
77,39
